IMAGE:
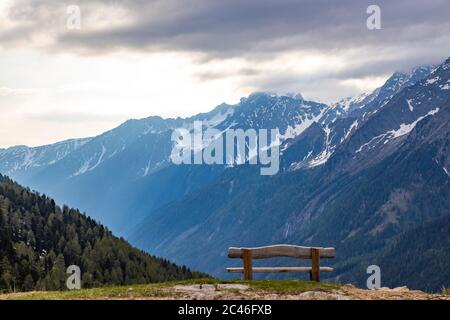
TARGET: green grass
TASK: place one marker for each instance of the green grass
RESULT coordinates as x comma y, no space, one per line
162,290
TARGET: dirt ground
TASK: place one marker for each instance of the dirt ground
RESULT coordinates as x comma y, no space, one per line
347,292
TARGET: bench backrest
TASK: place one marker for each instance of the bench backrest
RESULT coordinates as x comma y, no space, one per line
281,250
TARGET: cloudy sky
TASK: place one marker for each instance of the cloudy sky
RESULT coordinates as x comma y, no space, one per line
136,58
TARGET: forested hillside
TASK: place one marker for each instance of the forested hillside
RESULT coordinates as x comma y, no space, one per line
425,263
39,240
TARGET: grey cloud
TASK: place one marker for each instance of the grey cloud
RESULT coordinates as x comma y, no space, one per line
74,117
5,91
215,75
240,28
237,27
413,32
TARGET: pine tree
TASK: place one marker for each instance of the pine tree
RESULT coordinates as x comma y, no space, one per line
28,284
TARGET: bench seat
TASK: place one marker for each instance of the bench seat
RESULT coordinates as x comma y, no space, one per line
281,250
280,269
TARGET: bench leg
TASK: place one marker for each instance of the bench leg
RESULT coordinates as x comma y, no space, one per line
315,269
248,268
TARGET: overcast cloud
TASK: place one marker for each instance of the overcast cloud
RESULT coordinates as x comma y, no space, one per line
222,49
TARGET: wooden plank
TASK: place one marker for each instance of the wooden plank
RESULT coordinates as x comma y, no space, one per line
315,267
279,269
281,250
248,272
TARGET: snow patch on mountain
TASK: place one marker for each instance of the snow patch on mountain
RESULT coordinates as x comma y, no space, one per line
305,123
152,168
100,159
320,159
23,158
410,106
433,80
446,171
325,154
392,134
84,168
354,125
218,118
407,128
376,139
348,102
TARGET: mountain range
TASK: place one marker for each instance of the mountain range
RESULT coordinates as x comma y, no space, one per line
368,175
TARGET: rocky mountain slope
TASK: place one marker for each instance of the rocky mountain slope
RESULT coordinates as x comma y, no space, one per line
387,177
128,169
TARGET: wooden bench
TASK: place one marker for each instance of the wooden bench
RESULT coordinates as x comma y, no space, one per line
281,250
